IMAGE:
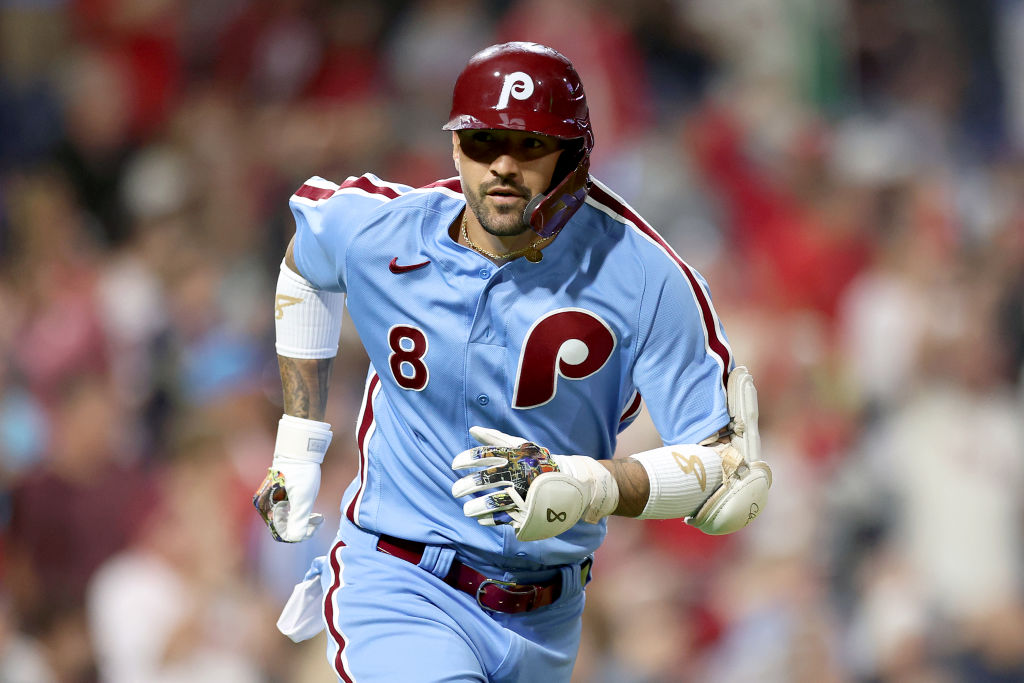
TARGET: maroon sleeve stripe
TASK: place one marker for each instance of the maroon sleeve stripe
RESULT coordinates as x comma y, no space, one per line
365,184
714,341
453,184
634,407
314,193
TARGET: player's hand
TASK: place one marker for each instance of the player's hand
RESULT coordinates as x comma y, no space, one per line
540,494
285,500
286,496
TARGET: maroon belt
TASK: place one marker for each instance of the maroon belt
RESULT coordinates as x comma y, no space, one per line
498,596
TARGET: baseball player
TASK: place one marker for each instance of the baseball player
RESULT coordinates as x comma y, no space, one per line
513,315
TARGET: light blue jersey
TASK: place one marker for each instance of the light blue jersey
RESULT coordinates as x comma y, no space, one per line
558,352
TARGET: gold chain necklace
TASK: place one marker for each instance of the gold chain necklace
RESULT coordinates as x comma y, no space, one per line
532,252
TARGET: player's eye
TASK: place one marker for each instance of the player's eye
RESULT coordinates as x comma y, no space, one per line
536,146
483,137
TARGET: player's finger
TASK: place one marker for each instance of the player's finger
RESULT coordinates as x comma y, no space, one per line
481,481
289,527
261,500
500,518
488,505
271,491
278,521
464,487
481,456
497,519
312,524
492,437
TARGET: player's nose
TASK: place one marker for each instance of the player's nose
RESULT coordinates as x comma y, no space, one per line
505,165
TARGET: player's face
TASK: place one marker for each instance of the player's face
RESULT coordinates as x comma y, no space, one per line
501,171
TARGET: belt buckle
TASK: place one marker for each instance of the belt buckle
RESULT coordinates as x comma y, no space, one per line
507,587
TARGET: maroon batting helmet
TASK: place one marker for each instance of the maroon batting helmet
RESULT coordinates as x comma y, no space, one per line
530,87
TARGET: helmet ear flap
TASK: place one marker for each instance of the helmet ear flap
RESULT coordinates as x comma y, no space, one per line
548,213
572,155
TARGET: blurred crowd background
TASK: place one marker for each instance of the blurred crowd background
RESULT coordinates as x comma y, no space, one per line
847,174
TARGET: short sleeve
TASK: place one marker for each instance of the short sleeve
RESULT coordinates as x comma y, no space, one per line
327,218
683,359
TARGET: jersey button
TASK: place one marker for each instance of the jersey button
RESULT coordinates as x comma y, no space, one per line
484,273
483,399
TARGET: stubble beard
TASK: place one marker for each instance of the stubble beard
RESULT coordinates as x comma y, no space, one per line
499,221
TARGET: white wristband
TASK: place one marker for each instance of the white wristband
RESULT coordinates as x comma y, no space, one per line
682,478
302,439
308,320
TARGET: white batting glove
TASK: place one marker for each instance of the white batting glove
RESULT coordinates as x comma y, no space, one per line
540,494
286,496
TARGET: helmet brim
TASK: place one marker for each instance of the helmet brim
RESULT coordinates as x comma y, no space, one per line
551,126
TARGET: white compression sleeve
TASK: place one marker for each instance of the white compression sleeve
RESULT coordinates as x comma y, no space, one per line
682,478
307,319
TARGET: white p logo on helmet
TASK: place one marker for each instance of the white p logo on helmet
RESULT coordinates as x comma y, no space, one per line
517,84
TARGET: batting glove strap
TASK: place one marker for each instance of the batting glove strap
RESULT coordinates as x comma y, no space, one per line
602,491
299,439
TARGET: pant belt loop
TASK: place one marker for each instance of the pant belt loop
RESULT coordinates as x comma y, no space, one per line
438,560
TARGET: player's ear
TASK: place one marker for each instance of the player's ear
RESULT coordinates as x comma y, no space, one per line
455,151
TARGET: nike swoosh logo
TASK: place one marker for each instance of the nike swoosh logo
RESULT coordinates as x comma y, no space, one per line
395,268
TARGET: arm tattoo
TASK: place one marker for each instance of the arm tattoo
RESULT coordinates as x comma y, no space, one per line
634,486
305,382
